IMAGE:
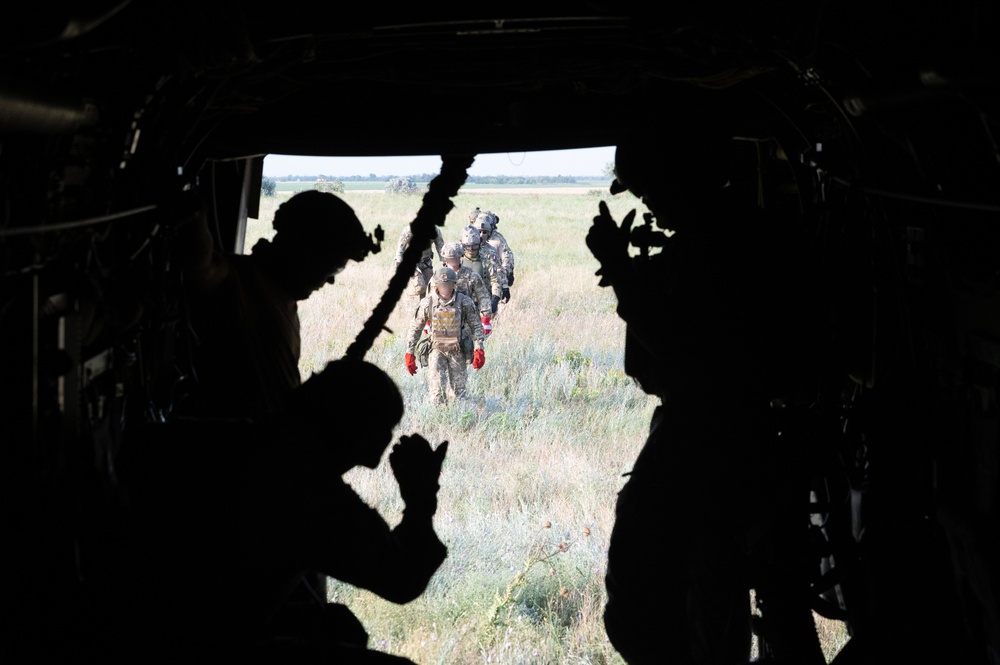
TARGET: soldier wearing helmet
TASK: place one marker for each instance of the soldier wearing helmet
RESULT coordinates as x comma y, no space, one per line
469,283
486,222
455,330
244,307
425,266
482,259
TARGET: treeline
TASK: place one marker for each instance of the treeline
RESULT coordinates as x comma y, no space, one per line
427,177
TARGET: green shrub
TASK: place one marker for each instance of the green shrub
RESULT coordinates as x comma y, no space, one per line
402,186
268,186
330,186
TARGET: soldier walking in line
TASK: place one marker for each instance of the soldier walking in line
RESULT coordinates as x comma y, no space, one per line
486,222
425,267
469,283
455,330
483,260
243,309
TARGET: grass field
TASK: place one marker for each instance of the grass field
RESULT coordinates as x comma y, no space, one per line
536,455
288,187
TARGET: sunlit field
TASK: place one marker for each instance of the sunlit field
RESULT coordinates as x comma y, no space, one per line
537,453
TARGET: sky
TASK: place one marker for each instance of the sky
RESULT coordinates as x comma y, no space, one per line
582,162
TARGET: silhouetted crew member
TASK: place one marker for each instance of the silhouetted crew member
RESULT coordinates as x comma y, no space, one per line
715,331
244,308
452,319
264,500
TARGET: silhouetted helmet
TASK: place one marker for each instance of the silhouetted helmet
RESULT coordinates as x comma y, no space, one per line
484,222
471,237
322,221
672,165
473,214
349,386
452,250
445,274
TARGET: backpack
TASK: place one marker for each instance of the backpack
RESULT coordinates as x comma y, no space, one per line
423,350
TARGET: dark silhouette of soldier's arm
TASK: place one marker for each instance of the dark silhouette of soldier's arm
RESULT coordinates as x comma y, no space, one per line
229,514
363,550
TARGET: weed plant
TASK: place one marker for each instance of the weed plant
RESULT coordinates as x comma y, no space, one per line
538,451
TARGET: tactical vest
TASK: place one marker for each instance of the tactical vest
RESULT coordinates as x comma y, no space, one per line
476,265
446,324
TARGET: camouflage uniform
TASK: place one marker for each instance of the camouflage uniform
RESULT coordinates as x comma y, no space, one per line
472,285
468,281
487,265
450,321
499,243
425,267
496,240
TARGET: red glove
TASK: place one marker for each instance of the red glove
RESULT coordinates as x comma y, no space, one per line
487,326
478,359
411,364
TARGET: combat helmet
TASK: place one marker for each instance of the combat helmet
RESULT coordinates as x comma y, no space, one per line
473,214
452,250
326,224
484,222
445,274
471,237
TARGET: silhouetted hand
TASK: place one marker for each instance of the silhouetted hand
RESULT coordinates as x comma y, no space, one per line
506,295
417,468
609,243
478,359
